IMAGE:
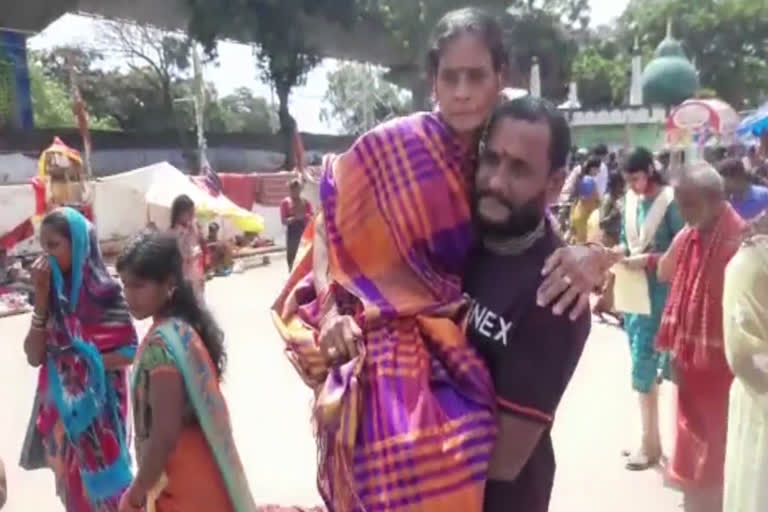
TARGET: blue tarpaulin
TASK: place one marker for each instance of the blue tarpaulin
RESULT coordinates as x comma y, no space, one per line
755,124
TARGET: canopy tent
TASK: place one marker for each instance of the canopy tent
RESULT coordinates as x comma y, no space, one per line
701,123
169,183
756,124
124,204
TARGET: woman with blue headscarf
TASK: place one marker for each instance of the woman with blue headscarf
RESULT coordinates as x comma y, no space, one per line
83,340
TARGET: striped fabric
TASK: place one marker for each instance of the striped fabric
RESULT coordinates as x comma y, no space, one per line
409,424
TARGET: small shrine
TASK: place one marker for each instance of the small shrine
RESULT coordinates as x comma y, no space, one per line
62,180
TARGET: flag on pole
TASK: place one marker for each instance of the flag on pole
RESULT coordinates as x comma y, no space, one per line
210,178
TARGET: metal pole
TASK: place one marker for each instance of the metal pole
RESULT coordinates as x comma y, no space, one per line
199,103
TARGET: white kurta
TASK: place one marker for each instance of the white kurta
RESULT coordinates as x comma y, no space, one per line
745,307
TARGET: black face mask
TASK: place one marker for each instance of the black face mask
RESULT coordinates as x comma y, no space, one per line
521,221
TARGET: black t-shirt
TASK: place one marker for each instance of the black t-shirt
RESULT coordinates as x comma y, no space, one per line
531,353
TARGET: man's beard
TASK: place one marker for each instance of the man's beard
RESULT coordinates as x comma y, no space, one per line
521,220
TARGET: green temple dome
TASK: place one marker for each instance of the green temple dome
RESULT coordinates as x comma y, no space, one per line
669,78
669,47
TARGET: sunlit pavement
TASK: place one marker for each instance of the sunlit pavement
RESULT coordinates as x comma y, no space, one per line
270,411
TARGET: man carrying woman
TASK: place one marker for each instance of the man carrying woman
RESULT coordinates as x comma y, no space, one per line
405,409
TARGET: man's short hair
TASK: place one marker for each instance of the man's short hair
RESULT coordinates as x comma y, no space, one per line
294,184
732,168
600,150
534,110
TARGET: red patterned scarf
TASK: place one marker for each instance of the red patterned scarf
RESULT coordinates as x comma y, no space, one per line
692,323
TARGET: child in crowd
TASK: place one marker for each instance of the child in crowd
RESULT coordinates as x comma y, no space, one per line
186,453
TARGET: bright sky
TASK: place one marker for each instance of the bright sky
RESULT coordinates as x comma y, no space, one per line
236,66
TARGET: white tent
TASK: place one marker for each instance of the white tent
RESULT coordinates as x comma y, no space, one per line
168,184
127,202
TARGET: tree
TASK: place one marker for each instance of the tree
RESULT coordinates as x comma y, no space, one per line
282,52
124,98
241,112
726,39
602,73
52,102
138,96
359,98
541,34
161,58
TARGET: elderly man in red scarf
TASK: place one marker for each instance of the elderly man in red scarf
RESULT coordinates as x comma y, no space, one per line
692,330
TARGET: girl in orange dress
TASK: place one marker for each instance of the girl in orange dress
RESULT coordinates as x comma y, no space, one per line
186,453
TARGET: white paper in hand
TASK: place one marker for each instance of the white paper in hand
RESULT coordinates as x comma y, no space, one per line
630,290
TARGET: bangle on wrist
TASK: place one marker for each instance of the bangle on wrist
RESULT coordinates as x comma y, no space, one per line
39,320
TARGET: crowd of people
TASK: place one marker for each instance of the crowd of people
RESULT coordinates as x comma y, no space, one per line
680,226
435,310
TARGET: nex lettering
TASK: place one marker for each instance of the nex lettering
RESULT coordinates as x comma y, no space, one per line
489,324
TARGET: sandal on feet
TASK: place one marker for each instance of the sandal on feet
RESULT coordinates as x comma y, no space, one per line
642,462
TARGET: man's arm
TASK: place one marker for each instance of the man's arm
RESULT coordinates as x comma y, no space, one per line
665,270
538,362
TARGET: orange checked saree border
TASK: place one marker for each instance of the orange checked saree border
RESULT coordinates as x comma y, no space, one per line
408,425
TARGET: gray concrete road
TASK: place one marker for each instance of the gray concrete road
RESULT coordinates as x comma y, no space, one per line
270,409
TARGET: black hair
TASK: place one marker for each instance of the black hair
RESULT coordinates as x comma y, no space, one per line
615,182
156,257
590,164
600,150
536,110
181,205
641,160
469,20
732,167
57,221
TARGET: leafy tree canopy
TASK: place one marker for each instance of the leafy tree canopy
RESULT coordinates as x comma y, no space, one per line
359,98
726,39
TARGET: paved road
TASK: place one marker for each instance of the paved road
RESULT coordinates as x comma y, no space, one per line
270,409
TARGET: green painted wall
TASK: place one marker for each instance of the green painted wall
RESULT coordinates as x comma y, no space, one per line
650,136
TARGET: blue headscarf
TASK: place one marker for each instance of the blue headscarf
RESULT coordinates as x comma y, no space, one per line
79,230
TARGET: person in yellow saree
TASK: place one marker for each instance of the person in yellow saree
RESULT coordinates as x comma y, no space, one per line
186,453
587,201
404,408
745,325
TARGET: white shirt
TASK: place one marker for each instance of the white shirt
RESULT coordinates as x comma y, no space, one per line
601,179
